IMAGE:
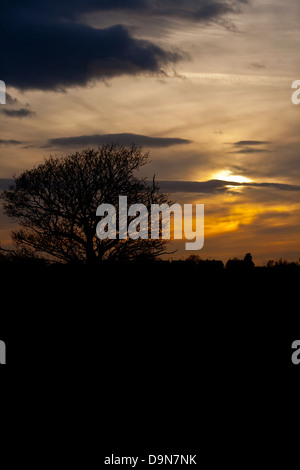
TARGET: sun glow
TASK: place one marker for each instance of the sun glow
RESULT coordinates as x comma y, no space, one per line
226,175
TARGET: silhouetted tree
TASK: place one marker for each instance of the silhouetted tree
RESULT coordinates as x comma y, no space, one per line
55,204
249,261
21,256
281,262
193,259
242,265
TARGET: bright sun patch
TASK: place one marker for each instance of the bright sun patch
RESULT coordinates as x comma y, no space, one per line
226,175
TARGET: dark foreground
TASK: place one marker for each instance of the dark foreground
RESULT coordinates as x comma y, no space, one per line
176,355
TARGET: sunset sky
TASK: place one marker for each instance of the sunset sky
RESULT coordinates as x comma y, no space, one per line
205,86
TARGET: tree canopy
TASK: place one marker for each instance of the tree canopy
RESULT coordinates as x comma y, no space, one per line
55,204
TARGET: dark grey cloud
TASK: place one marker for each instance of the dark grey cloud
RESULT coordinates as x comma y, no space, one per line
217,186
250,150
46,45
122,139
242,143
279,186
199,187
249,146
70,9
10,142
51,54
10,100
18,113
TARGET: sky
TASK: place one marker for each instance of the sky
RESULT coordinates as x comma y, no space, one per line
204,85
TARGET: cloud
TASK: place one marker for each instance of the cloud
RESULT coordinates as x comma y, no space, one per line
11,101
283,164
247,146
217,186
199,10
48,46
241,143
199,187
250,150
49,54
210,187
122,139
10,142
18,113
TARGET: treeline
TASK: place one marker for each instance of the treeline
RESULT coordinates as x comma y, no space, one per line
246,263
22,257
